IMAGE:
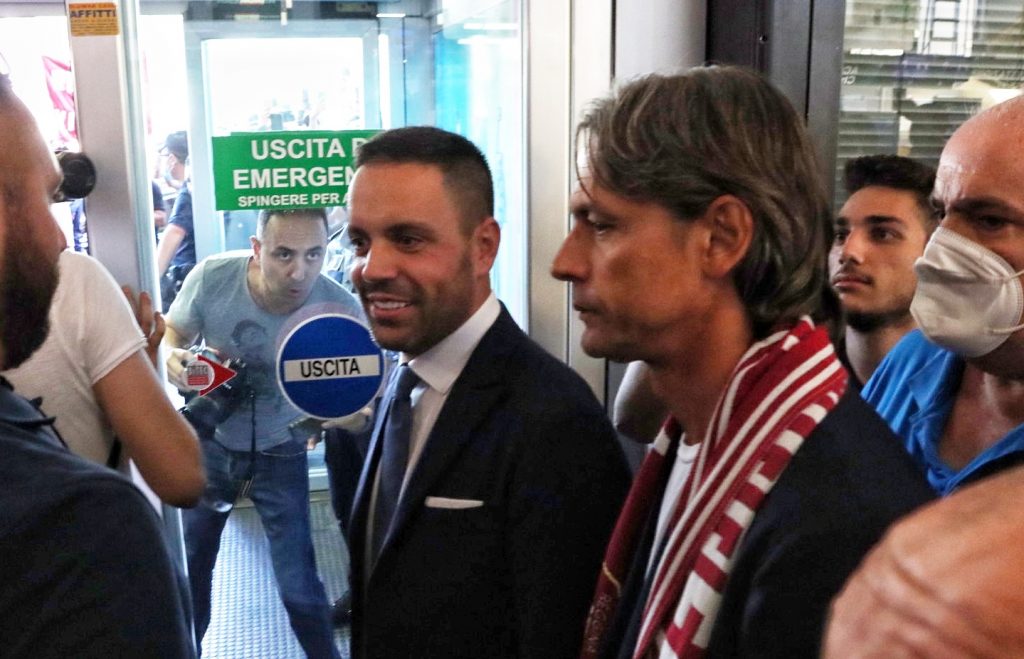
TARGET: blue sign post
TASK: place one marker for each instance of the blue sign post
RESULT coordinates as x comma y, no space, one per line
329,367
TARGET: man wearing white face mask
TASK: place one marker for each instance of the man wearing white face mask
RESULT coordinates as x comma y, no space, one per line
954,390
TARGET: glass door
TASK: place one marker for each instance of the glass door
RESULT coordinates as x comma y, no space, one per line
222,69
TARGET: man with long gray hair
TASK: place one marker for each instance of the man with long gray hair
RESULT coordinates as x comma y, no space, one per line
699,245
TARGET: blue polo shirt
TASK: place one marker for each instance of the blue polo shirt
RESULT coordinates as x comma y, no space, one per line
913,389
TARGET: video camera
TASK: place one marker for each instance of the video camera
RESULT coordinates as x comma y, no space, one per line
205,413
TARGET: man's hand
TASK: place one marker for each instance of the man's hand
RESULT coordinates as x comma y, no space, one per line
356,422
150,322
177,367
948,581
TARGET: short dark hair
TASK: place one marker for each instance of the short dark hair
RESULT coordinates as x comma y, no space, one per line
464,167
176,143
267,213
682,141
897,172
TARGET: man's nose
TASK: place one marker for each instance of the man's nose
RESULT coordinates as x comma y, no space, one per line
569,263
378,263
853,248
299,272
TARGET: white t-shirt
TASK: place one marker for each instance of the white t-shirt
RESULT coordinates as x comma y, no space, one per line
92,330
685,456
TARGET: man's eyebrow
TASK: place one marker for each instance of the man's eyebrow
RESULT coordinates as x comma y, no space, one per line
410,225
879,218
976,205
874,220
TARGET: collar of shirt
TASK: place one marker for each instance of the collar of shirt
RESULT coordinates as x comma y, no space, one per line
19,411
934,388
437,368
440,366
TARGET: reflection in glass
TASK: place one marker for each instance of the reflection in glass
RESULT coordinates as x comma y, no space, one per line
915,70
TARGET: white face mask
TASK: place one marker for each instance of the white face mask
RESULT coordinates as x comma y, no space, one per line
968,298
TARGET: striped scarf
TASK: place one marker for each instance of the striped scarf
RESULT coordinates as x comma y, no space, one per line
780,390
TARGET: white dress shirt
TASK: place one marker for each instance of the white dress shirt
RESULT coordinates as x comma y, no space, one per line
438,369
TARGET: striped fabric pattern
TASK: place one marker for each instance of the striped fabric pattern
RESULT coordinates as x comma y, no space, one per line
781,389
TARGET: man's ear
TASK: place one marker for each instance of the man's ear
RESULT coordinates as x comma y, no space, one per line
256,247
730,227
486,239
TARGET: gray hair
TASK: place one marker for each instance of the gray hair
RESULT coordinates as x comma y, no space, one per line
682,141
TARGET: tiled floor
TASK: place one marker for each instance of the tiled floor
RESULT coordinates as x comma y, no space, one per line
248,620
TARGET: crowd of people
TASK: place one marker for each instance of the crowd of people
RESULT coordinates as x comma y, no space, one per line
832,404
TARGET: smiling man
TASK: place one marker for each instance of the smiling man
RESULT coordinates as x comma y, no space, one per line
699,245
239,305
493,476
879,233
954,389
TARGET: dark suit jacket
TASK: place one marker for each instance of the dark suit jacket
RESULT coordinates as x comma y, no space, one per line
514,577
848,482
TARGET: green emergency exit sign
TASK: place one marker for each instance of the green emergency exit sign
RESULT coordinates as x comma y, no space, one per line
285,169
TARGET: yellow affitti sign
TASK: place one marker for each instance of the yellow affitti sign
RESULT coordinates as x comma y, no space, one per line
93,19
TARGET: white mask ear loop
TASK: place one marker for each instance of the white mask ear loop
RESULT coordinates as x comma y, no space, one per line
1006,330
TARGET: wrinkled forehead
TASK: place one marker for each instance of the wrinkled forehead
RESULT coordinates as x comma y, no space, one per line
983,157
995,135
296,230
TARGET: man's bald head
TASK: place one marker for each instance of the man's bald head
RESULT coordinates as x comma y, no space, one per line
995,136
979,187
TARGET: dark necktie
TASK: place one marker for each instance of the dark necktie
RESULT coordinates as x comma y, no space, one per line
394,454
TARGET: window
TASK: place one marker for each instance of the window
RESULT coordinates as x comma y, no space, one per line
914,70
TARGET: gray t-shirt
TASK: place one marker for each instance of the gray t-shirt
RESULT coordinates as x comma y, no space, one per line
215,304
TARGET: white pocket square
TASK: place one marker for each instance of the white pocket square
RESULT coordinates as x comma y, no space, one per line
452,504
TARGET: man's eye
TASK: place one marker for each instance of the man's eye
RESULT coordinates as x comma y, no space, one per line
841,236
358,246
596,224
991,222
408,241
884,235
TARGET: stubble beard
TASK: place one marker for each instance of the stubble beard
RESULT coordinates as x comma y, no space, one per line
27,285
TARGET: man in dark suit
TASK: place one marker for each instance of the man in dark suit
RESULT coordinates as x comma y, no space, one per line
493,476
699,243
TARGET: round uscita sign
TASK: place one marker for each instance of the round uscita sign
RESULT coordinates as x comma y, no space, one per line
329,366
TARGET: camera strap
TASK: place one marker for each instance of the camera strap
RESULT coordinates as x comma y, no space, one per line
251,474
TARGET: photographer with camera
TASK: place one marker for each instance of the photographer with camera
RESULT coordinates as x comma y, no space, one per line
236,308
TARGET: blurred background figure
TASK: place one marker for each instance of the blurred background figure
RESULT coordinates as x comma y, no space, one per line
176,251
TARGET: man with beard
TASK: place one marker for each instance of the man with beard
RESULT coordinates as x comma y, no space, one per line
493,475
954,390
879,233
83,566
699,245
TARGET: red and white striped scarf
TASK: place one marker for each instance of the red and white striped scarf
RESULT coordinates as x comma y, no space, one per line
780,390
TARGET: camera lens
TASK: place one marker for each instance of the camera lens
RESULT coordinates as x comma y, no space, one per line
79,175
